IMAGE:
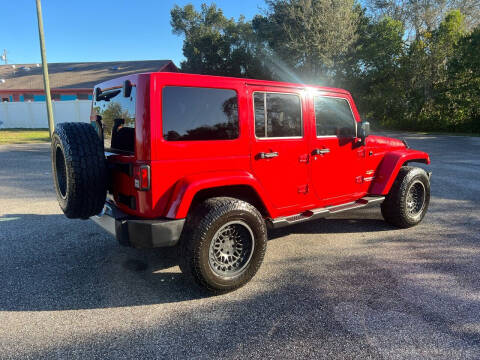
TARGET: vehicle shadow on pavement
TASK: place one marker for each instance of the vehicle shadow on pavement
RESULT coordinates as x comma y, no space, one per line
348,305
48,262
411,292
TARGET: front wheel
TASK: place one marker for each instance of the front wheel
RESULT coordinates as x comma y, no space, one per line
223,244
408,199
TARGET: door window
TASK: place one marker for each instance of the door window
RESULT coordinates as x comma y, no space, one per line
334,117
277,115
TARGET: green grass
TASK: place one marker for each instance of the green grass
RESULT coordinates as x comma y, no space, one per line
23,136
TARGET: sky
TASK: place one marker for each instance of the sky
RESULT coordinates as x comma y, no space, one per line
100,30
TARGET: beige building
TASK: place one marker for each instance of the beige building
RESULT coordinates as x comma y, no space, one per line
69,81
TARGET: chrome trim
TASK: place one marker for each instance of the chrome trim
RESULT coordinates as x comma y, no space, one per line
265,114
280,138
269,155
323,212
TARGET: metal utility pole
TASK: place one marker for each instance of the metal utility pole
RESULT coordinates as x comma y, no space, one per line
4,56
46,81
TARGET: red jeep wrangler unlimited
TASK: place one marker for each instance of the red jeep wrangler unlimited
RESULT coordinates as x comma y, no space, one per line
208,163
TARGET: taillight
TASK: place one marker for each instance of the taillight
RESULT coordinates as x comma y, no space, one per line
141,176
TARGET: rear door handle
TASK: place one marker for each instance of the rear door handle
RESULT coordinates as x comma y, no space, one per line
268,155
320,151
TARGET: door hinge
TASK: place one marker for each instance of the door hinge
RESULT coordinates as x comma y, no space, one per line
303,189
361,153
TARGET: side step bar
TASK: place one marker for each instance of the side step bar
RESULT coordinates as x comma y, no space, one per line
323,212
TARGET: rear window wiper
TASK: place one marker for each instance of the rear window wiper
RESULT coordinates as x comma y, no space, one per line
106,95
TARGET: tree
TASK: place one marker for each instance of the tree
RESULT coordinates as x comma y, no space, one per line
216,45
462,90
306,35
371,69
410,64
427,66
420,16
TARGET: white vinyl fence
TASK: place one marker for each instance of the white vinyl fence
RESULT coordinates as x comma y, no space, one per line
34,114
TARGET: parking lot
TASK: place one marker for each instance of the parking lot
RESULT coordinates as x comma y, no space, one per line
349,286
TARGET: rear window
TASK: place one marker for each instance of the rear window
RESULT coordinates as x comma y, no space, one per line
191,113
114,119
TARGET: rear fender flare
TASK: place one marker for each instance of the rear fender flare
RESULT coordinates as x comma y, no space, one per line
390,166
185,189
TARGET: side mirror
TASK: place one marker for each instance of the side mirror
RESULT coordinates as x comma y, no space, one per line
364,131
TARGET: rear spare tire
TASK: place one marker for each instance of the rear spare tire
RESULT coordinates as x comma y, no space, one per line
79,170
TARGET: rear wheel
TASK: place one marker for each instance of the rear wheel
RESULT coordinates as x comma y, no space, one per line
223,244
408,199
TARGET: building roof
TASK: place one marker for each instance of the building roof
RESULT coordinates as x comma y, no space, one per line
76,75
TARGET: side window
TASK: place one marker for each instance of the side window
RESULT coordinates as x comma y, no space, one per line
333,116
277,115
192,113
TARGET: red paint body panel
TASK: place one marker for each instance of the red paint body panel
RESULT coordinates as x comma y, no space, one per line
185,189
390,165
332,179
293,182
285,192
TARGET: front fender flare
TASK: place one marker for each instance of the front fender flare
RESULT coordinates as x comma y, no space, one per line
390,166
186,189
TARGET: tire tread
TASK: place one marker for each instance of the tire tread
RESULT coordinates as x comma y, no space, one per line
85,167
195,236
394,208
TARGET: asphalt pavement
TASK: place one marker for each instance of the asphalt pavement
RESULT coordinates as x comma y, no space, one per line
346,287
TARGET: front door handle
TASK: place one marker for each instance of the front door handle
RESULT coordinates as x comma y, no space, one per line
268,155
320,151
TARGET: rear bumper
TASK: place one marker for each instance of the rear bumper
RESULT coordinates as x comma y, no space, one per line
139,233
